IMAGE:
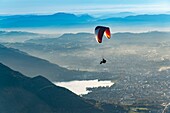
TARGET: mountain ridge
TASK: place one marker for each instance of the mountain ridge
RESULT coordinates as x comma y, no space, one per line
38,95
58,94
71,20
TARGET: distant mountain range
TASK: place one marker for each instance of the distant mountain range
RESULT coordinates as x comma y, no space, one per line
88,39
18,36
19,94
123,14
58,19
145,37
72,20
16,33
67,38
119,14
141,18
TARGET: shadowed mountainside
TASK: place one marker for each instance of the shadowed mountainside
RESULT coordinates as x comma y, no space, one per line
19,93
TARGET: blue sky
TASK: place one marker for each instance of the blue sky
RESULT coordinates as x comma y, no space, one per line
83,6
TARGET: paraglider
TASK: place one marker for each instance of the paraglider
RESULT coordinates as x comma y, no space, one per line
99,32
103,61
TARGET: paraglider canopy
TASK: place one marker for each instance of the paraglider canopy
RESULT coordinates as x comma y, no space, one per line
99,31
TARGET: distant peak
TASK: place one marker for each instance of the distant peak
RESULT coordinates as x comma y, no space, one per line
63,14
86,16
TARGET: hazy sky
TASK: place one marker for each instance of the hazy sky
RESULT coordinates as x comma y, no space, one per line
83,6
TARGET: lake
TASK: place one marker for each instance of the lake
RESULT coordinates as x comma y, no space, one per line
79,87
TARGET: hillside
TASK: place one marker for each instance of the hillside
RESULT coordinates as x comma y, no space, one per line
19,93
43,94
